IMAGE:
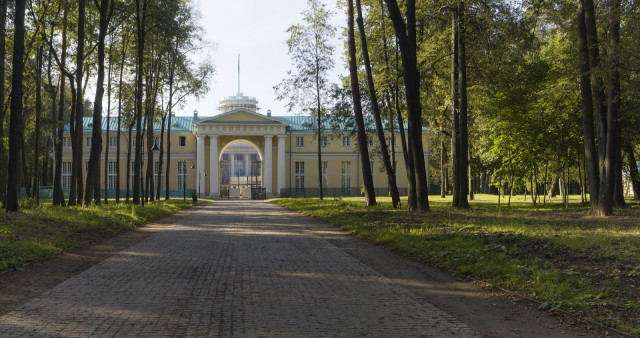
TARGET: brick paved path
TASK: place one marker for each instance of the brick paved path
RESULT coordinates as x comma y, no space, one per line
231,268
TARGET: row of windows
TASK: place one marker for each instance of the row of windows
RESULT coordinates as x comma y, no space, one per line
345,179
113,142
324,141
112,173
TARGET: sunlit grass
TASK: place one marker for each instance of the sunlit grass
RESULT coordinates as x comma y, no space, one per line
40,231
567,258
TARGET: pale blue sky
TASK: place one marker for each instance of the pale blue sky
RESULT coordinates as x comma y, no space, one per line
255,29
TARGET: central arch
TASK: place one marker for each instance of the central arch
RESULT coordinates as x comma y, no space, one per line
240,167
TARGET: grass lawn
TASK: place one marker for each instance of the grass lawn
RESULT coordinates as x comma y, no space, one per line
38,232
567,259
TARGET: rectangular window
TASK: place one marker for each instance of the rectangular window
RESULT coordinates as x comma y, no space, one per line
325,176
66,142
111,179
113,142
370,141
66,175
225,157
86,167
133,172
324,142
299,141
88,141
373,171
182,141
156,170
299,178
182,175
346,177
346,141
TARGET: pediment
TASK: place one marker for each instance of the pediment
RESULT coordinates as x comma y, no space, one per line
240,116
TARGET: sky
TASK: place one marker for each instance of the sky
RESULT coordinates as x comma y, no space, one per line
255,29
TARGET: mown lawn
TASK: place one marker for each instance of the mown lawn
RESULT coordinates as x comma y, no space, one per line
567,259
41,231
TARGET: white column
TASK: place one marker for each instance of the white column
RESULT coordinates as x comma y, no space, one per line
268,165
232,165
281,168
200,163
213,166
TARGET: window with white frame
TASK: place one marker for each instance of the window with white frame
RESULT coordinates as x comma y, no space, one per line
113,141
156,170
182,141
299,177
346,141
325,176
66,175
324,142
346,177
66,142
111,178
370,141
299,141
88,141
182,175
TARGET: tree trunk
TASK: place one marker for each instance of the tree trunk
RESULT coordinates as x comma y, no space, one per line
16,122
36,155
406,34
455,111
170,113
614,130
369,191
633,171
443,163
395,197
79,101
140,25
606,124
464,139
129,139
93,174
3,53
58,195
125,40
106,150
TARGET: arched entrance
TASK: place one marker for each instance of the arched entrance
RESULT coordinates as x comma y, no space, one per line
241,168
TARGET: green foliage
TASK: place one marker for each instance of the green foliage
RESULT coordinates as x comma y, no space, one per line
564,258
38,232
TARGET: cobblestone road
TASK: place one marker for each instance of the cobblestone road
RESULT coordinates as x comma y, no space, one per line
231,268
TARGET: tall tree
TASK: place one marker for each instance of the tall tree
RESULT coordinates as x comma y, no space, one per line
369,190
141,17
391,178
311,53
406,35
16,122
58,197
590,150
460,144
92,191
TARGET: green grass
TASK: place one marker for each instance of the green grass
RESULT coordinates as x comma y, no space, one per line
37,232
566,258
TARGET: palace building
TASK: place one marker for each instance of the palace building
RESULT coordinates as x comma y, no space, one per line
241,153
